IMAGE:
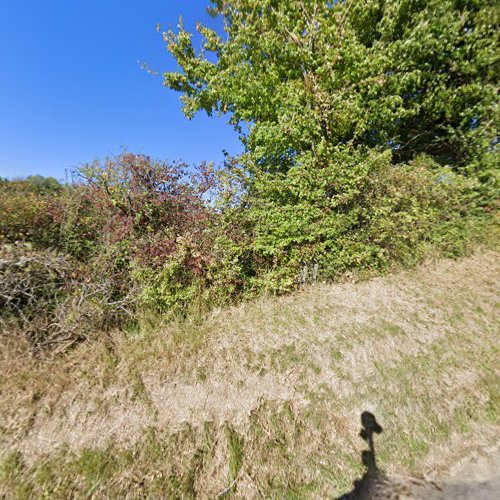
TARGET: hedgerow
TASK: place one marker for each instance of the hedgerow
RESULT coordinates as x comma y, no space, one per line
370,134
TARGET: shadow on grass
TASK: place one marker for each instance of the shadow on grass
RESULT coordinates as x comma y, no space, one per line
363,487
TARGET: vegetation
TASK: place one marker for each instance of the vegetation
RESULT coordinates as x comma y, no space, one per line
369,125
370,134
263,399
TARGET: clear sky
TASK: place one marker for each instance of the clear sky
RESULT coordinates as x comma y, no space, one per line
71,88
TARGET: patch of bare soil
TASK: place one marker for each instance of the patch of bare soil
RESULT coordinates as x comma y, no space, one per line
475,476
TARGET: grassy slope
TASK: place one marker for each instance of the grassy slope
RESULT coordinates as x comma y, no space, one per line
263,399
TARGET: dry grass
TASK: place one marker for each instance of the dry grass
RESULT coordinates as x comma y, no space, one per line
263,399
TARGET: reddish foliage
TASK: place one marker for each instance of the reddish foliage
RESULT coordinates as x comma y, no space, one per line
149,205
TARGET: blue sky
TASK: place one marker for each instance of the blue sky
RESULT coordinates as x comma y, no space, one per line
71,88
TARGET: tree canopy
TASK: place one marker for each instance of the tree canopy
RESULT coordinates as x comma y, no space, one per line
364,122
307,76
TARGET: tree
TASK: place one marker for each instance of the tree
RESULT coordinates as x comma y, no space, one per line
333,95
307,75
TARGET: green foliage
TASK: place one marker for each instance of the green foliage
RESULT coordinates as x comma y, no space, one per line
304,76
29,212
43,185
372,126
370,131
46,214
236,452
360,211
169,290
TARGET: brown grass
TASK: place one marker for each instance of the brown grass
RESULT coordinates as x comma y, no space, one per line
263,399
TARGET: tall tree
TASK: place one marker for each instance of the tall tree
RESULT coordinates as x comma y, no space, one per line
306,75
336,102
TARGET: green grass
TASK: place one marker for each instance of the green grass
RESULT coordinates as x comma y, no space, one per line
236,453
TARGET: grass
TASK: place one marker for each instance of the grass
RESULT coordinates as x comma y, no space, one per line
236,453
263,399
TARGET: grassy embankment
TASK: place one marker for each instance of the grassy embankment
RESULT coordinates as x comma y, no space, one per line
263,399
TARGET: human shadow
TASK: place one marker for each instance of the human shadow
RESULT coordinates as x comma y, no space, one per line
363,488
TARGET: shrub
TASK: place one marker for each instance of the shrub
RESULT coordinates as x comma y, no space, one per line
151,219
30,282
370,129
172,287
30,214
139,234
51,300
355,209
